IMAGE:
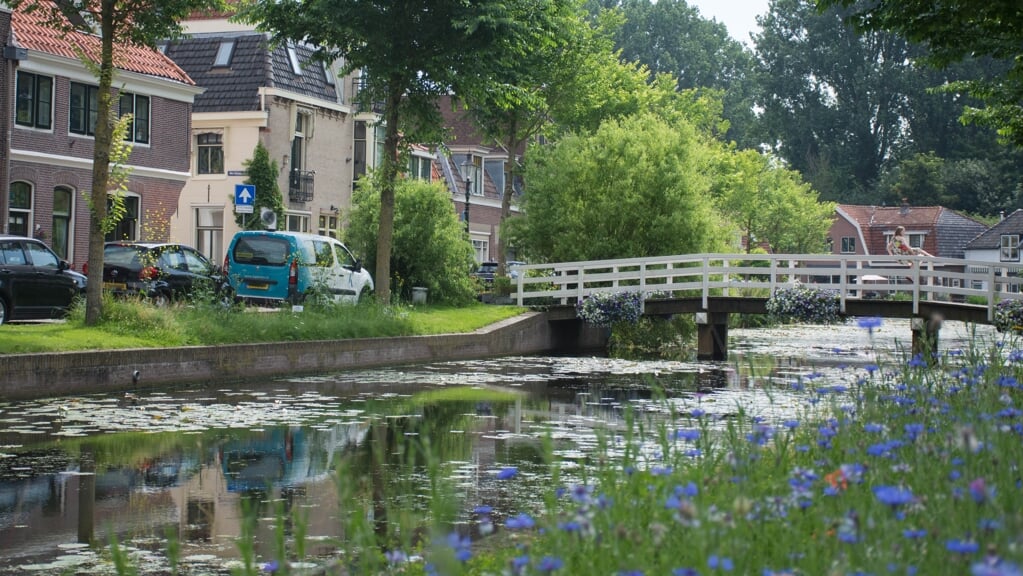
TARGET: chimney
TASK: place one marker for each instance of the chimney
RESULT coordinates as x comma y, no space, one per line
904,209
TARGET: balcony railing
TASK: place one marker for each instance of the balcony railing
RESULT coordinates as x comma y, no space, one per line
300,185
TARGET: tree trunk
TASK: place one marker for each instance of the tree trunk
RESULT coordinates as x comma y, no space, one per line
100,169
385,234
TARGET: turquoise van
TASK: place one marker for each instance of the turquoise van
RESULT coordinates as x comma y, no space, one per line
271,268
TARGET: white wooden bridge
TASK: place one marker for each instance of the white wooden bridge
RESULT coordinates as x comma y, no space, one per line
923,288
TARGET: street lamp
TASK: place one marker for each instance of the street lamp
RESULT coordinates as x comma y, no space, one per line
467,167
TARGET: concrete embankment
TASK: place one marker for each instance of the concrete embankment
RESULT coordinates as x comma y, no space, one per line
24,376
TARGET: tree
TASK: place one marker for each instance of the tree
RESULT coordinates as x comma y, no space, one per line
671,37
117,22
410,53
954,32
833,101
771,204
262,172
635,187
429,242
513,108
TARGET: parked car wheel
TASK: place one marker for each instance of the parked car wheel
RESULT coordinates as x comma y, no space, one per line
3,311
366,294
160,299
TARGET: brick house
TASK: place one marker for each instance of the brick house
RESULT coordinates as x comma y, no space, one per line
472,157
865,230
51,137
304,115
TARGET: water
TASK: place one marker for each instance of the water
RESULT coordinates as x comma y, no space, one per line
181,462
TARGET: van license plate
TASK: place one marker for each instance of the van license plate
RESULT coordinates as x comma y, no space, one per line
115,285
258,286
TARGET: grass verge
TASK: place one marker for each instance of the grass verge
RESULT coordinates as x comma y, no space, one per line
136,324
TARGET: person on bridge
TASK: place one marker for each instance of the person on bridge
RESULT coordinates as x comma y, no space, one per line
899,245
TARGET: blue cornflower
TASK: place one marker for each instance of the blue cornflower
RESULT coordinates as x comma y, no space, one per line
550,564
689,435
914,534
870,323
689,490
962,546
685,572
724,562
791,424
507,473
395,557
271,566
462,546
484,509
917,361
873,427
893,495
521,522
995,567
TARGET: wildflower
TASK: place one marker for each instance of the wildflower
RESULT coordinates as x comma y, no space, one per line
395,557
462,546
995,567
550,564
271,566
979,491
961,546
870,323
724,563
507,473
837,480
791,424
521,522
518,565
685,572
912,534
687,435
893,495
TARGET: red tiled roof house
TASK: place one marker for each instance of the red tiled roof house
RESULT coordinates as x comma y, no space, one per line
51,136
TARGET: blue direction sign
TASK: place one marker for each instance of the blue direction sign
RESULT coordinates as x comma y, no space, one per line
244,197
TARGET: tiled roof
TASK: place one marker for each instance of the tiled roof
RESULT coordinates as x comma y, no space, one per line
31,32
951,230
992,237
234,88
253,65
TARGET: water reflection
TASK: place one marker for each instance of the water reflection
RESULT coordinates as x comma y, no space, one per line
75,470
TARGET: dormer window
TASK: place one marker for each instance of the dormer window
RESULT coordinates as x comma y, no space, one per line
296,66
224,53
328,74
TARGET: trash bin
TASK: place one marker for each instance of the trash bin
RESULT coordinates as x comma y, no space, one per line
419,295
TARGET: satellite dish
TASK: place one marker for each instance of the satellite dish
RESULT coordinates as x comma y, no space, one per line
268,218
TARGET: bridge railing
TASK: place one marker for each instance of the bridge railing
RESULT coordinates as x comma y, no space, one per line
971,282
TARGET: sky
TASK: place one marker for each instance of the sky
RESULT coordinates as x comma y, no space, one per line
738,15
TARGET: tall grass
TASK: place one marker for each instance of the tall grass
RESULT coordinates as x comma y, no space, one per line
914,469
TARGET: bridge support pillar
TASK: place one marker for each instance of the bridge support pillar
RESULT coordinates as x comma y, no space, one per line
925,337
712,335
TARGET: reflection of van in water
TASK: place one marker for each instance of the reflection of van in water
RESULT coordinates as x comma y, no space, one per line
268,267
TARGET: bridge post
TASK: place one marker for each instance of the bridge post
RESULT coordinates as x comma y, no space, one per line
925,337
711,335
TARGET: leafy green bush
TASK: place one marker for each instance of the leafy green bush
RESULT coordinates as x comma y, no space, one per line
804,304
429,247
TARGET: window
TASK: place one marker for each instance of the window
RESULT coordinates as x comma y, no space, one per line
848,245
129,103
84,108
1009,251
420,167
128,227
296,66
359,149
328,225
34,99
63,200
19,209
224,53
916,240
328,74
482,250
209,231
298,143
298,222
210,156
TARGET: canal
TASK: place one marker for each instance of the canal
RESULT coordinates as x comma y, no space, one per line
298,458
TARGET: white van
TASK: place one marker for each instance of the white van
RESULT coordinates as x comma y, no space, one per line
271,267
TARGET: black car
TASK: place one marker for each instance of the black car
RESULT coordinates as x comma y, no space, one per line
161,272
35,283
485,272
